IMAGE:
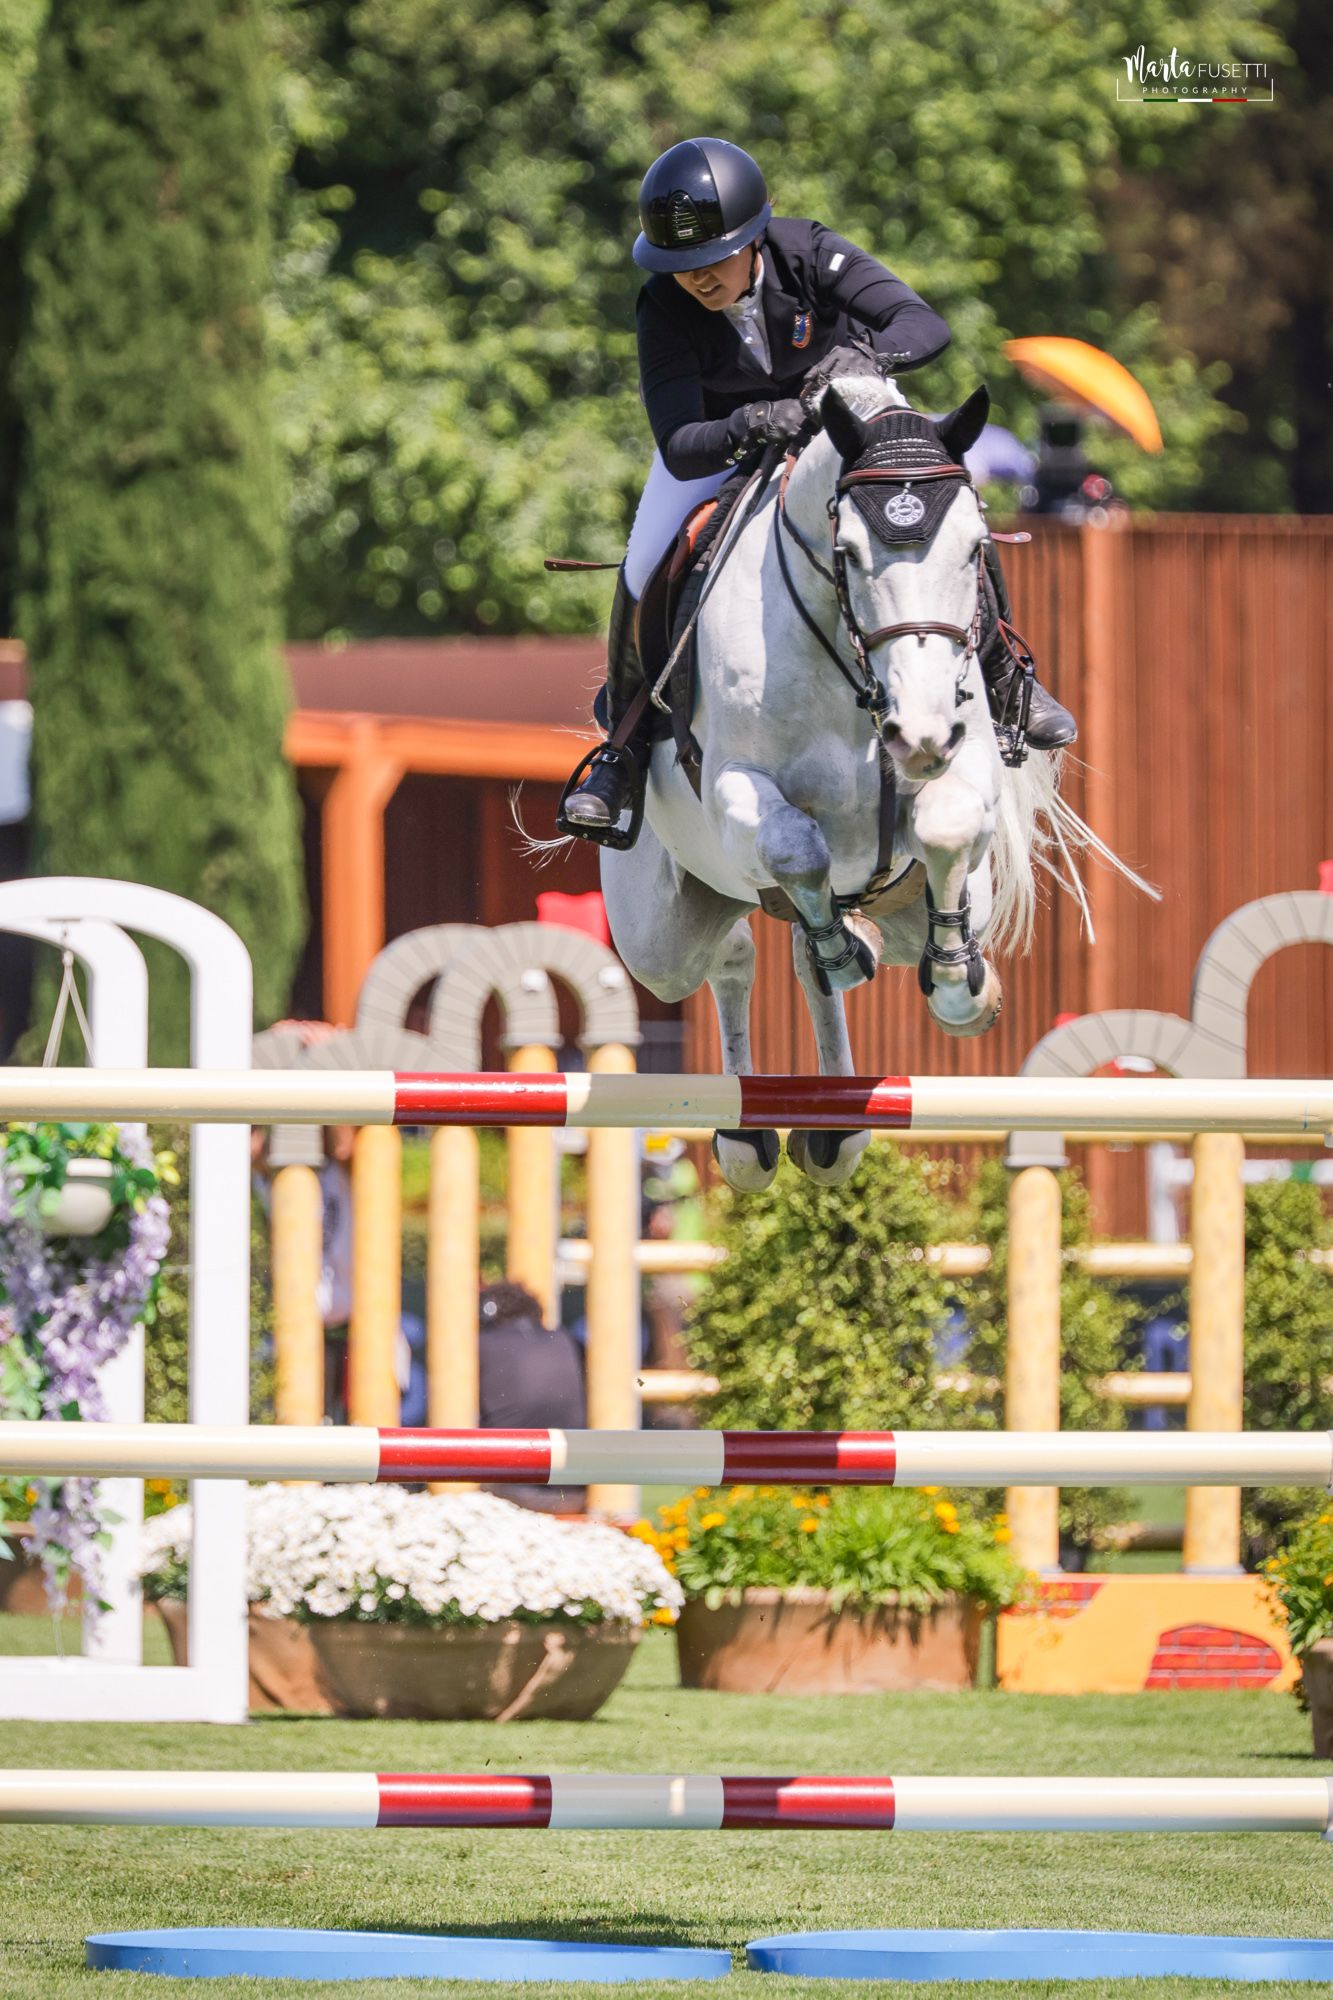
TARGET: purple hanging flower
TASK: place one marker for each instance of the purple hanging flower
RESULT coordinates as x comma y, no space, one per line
73,1302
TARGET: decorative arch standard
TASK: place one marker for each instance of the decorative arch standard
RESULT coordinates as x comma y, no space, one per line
1212,1042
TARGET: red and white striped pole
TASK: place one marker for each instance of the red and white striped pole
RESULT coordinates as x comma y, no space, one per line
1278,1108
361,1454
684,1802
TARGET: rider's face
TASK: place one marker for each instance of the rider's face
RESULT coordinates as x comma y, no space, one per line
718,285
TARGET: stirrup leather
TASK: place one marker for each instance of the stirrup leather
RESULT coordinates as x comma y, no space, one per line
1015,709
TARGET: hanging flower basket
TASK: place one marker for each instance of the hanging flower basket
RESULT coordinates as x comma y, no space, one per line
373,1601
83,1231
83,1206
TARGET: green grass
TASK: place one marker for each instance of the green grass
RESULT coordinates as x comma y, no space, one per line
61,1883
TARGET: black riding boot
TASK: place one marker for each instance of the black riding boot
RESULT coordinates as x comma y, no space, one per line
1049,726
612,784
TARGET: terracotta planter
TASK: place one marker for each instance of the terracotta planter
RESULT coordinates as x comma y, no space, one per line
790,1642
492,1673
22,1587
1317,1677
284,1668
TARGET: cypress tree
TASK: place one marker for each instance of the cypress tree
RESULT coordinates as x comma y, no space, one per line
151,545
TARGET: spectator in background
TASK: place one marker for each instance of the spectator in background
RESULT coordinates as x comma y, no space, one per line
531,1379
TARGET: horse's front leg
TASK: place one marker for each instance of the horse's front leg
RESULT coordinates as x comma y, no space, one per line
951,830
827,1158
748,1159
771,840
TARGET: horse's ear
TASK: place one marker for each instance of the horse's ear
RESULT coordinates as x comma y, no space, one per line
848,433
963,426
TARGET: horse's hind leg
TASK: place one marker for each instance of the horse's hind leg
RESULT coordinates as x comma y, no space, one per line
748,1159
828,1158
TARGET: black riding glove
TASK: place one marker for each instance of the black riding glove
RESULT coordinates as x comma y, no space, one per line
758,424
855,360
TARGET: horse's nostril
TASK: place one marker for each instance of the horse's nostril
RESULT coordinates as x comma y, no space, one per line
893,734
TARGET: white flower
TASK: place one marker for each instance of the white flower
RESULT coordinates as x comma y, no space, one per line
377,1552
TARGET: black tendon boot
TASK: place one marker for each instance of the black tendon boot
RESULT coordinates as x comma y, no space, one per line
1005,665
610,781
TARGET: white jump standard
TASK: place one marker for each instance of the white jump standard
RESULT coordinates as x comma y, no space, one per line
358,1453
1277,1108
669,1802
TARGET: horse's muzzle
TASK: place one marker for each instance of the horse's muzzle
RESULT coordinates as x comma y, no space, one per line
923,757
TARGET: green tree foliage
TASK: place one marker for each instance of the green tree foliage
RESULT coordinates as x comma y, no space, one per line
1222,221
151,538
455,295
1288,1334
826,1315
20,23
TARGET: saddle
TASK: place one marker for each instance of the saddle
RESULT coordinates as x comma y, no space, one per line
668,602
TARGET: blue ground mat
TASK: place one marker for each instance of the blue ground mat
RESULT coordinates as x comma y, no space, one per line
282,1954
910,1955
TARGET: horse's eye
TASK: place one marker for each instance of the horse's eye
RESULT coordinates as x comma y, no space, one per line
853,556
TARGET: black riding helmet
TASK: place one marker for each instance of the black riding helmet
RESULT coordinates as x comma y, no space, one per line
699,202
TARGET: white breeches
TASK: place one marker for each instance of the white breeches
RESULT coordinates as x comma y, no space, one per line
664,505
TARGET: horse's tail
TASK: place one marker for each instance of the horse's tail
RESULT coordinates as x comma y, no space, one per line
1036,828
541,853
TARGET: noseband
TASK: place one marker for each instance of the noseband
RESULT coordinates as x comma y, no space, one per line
870,692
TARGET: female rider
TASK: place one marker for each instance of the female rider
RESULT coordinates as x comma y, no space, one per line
743,310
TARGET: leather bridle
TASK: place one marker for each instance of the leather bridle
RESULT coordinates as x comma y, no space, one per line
870,692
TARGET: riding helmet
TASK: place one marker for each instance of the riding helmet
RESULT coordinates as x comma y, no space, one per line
699,202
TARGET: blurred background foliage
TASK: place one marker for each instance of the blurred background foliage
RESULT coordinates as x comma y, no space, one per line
451,323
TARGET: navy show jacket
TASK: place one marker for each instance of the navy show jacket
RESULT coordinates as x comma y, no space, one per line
818,290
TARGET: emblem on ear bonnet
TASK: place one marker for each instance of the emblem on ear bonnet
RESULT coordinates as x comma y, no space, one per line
904,510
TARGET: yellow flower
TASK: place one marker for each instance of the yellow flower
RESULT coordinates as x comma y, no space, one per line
713,1520
1001,1534
930,1489
1327,1581
742,1492
702,1492
945,1511
821,1500
810,1524
664,1615
949,1527
681,1539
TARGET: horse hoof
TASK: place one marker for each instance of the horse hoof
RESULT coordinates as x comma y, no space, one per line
826,1158
867,943
968,1016
748,1160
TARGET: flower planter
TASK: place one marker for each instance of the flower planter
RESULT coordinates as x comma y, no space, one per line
285,1671
463,1673
22,1580
792,1642
553,1672
1317,1679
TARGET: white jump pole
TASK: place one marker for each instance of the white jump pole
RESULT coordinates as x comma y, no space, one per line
359,1453
1274,1108
668,1802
